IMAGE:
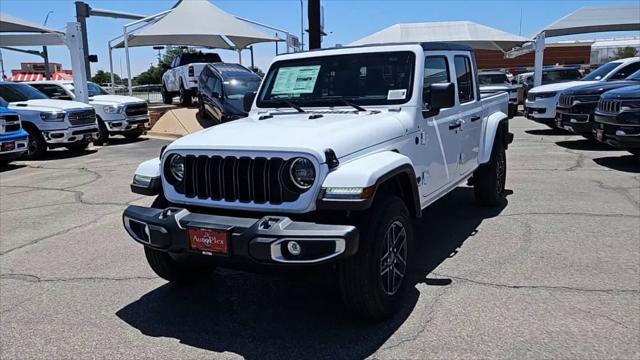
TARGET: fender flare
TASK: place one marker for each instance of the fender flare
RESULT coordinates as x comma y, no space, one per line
497,124
148,169
372,171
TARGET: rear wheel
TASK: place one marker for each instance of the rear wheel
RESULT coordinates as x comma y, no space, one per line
489,179
373,281
167,97
185,96
36,146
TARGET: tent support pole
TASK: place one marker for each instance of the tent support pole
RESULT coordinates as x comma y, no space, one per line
126,52
240,56
539,57
73,40
113,86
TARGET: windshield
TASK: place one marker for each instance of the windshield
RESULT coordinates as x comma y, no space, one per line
488,79
554,76
363,79
91,87
236,88
634,76
12,92
602,71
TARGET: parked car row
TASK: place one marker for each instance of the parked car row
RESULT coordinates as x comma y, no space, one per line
604,105
46,111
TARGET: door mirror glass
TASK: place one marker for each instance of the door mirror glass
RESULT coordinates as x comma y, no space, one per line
443,96
248,100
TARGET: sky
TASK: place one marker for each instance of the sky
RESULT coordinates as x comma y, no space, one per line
345,21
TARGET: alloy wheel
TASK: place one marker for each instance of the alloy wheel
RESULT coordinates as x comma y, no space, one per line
393,263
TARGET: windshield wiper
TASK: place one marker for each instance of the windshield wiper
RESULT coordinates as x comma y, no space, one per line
292,105
349,103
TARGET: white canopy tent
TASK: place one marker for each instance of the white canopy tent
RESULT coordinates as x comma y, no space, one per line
581,21
476,35
18,32
194,23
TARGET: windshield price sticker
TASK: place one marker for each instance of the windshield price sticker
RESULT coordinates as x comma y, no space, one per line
296,80
399,94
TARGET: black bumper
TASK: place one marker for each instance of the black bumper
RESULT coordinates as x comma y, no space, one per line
577,123
251,240
616,132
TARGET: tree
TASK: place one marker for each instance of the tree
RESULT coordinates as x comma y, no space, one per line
102,77
625,52
257,70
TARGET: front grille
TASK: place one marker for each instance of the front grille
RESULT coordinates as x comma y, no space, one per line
566,100
9,123
84,117
232,179
136,109
609,106
12,127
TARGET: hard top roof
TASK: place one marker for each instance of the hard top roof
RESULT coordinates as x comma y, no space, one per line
230,69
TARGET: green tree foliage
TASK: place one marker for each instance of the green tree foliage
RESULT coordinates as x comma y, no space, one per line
257,70
625,52
103,77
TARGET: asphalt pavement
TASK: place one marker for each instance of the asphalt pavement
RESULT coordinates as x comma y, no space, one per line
552,273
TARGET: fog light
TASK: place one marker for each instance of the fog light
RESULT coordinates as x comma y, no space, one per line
620,132
294,248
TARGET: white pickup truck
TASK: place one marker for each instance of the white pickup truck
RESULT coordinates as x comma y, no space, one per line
182,76
117,115
50,123
341,149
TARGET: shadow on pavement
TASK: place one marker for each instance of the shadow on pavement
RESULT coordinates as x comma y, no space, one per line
115,141
60,154
626,163
260,317
584,144
548,132
10,167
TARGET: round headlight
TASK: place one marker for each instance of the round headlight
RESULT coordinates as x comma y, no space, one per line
302,173
176,167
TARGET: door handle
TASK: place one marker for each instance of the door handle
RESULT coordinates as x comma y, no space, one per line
475,118
455,125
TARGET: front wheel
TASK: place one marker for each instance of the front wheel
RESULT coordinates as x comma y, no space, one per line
132,135
185,96
489,179
167,97
36,146
103,133
373,281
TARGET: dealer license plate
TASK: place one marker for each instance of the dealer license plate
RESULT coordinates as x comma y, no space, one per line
599,134
8,146
209,240
559,121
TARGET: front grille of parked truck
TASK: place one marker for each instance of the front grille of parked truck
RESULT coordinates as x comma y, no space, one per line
566,100
9,123
609,106
83,117
230,178
136,109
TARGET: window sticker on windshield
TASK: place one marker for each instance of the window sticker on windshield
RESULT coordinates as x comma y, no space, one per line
296,80
397,94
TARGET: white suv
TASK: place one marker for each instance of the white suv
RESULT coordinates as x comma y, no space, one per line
541,101
117,114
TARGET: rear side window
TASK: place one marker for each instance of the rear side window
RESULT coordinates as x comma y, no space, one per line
52,91
625,71
464,78
436,70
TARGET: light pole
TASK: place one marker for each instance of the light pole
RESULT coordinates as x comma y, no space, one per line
301,26
45,53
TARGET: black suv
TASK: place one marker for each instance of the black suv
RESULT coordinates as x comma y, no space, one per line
576,106
617,119
221,91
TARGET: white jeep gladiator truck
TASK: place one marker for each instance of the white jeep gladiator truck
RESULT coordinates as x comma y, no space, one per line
117,115
182,76
50,123
341,149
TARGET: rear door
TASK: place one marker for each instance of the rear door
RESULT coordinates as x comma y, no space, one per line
469,112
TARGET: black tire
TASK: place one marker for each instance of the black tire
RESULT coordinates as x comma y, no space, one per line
78,147
489,179
366,289
202,113
103,133
167,97
513,110
166,267
36,147
132,135
185,96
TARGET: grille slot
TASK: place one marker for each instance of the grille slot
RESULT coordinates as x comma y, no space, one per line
84,117
242,179
136,109
566,100
609,106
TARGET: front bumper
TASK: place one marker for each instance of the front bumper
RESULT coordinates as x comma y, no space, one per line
578,123
128,124
13,146
71,135
541,109
616,132
250,240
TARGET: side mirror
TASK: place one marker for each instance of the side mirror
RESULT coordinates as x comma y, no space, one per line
442,96
248,100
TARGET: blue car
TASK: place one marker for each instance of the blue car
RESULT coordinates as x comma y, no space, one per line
13,138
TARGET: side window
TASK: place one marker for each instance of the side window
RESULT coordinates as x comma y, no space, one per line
436,70
217,85
626,71
465,78
52,91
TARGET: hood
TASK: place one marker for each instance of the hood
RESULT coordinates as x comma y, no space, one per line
49,105
627,92
345,133
559,86
6,111
599,87
114,99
